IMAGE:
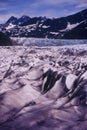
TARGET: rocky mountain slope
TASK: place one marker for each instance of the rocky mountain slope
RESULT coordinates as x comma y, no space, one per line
42,90
79,32
70,27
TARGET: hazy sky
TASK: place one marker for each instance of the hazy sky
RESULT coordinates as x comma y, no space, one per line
48,8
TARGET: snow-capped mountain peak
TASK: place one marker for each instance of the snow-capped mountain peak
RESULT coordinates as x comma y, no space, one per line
23,19
12,20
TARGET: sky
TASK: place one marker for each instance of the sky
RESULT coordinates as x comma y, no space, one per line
32,8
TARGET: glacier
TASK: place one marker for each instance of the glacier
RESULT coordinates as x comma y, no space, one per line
46,42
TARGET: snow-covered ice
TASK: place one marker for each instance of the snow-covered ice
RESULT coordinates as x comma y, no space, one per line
43,88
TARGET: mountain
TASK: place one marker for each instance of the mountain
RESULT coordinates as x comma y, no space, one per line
22,20
12,20
70,27
5,40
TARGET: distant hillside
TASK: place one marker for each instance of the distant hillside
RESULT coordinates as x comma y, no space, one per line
5,40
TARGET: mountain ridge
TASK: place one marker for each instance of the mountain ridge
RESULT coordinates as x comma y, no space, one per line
42,27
